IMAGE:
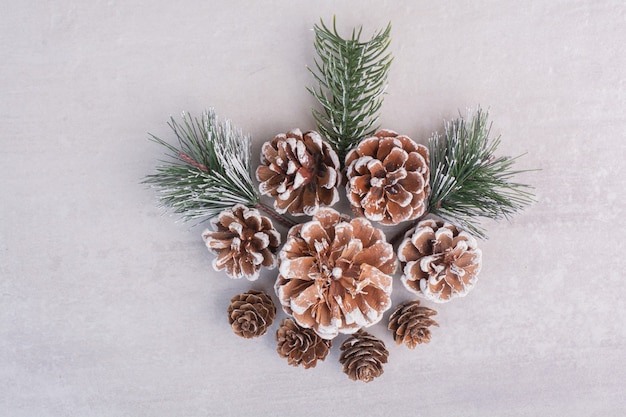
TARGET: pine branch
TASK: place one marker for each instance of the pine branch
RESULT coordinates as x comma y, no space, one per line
351,77
467,181
208,172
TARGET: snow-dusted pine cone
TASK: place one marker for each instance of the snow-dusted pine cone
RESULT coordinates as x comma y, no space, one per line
363,356
335,274
301,171
251,313
410,324
388,178
300,346
243,241
440,262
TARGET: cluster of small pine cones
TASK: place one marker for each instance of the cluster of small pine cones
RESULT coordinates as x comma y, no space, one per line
362,355
336,272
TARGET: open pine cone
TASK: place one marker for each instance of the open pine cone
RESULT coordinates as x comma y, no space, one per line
251,313
363,356
410,324
440,262
243,241
388,178
335,274
301,171
300,346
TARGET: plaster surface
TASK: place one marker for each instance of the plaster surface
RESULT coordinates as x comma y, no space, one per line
110,308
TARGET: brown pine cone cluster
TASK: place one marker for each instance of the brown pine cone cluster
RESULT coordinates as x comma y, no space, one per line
440,262
410,324
388,178
335,274
243,241
301,171
251,313
363,356
300,346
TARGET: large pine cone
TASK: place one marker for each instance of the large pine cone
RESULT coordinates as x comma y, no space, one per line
300,346
301,171
335,274
251,313
440,262
363,356
388,178
410,324
243,241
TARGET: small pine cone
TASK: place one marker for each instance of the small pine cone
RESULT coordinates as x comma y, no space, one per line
439,261
409,324
363,356
251,313
301,171
243,241
335,274
388,178
300,346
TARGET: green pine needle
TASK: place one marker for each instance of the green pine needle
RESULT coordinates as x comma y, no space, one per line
208,172
351,77
468,181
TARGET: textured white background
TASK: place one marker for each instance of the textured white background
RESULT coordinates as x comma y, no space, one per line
109,308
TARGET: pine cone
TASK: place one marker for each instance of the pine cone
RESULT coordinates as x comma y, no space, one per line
388,178
251,313
335,274
300,346
409,324
440,262
363,356
243,241
301,171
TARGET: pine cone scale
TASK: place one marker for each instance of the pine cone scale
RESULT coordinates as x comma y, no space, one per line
380,252
369,146
385,146
415,184
327,178
395,160
373,205
376,169
400,196
398,213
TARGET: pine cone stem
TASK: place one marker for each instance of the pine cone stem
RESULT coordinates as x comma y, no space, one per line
192,161
270,212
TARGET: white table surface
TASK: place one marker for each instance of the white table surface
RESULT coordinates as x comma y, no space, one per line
109,308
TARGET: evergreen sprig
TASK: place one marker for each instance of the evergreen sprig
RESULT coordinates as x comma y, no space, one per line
468,181
352,77
209,171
